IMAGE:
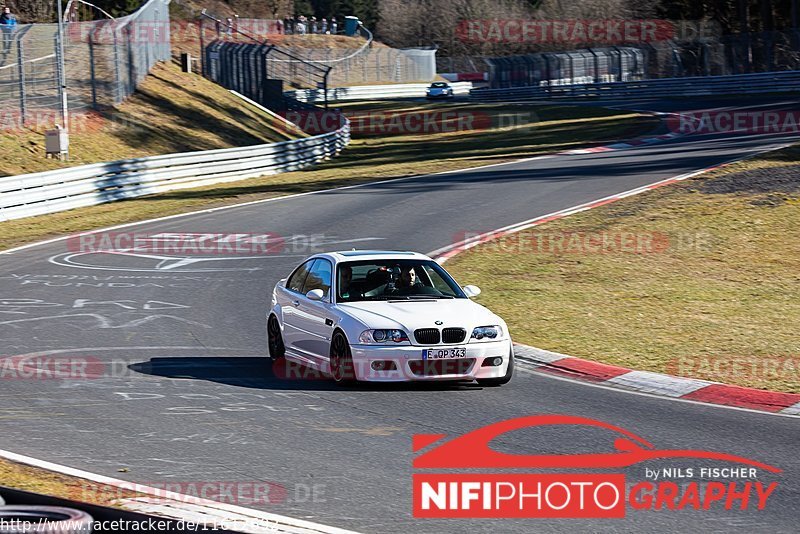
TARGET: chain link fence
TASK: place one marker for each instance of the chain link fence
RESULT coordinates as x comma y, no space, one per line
373,65
721,55
259,71
104,61
370,63
563,68
248,63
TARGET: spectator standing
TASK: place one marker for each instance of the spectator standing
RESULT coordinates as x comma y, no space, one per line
8,21
301,25
323,26
333,26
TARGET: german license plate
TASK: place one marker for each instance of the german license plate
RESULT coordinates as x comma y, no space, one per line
444,354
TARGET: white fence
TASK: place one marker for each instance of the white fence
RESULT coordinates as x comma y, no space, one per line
767,82
86,185
372,92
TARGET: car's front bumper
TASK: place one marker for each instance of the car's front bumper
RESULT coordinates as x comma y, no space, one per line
409,365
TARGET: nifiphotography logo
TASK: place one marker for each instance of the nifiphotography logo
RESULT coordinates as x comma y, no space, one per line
575,495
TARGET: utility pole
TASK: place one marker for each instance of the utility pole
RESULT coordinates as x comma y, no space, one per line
62,74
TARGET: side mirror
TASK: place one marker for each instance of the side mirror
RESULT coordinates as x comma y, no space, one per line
472,291
315,294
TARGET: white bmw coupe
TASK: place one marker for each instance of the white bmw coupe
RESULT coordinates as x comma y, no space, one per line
386,316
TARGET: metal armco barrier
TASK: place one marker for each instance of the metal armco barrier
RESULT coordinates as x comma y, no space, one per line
766,82
373,92
87,185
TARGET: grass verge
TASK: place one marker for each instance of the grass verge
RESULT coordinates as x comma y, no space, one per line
698,279
36,480
390,153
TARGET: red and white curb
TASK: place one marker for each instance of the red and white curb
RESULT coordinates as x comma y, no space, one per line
633,143
657,383
624,146
189,508
620,377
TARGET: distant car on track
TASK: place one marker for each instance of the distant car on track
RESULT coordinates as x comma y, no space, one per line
439,90
386,316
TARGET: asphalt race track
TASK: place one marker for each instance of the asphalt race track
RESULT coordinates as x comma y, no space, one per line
192,397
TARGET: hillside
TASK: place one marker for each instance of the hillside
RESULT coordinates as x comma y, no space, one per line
172,111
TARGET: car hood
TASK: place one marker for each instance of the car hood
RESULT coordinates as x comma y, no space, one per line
410,315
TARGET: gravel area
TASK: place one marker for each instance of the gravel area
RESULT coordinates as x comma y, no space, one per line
769,180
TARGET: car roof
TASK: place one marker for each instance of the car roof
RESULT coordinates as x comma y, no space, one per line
356,255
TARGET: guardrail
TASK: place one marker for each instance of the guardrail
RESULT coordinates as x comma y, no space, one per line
767,82
372,92
38,193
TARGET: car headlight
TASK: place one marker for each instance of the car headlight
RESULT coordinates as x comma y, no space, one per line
486,333
383,336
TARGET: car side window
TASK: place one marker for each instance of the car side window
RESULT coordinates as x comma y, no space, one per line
319,277
298,278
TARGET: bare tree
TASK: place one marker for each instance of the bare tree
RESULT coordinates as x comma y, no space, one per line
428,22
34,10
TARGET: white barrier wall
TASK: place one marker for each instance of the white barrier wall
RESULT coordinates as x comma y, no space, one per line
86,185
372,92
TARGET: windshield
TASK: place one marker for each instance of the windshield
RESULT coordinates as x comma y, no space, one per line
394,279
439,85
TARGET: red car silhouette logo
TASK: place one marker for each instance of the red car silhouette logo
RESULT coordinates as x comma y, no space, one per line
472,450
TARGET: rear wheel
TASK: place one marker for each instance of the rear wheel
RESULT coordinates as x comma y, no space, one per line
22,518
499,381
341,360
274,339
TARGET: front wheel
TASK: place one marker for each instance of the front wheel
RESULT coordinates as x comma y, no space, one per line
341,361
493,382
277,350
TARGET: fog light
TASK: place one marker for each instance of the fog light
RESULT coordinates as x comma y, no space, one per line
383,365
492,362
